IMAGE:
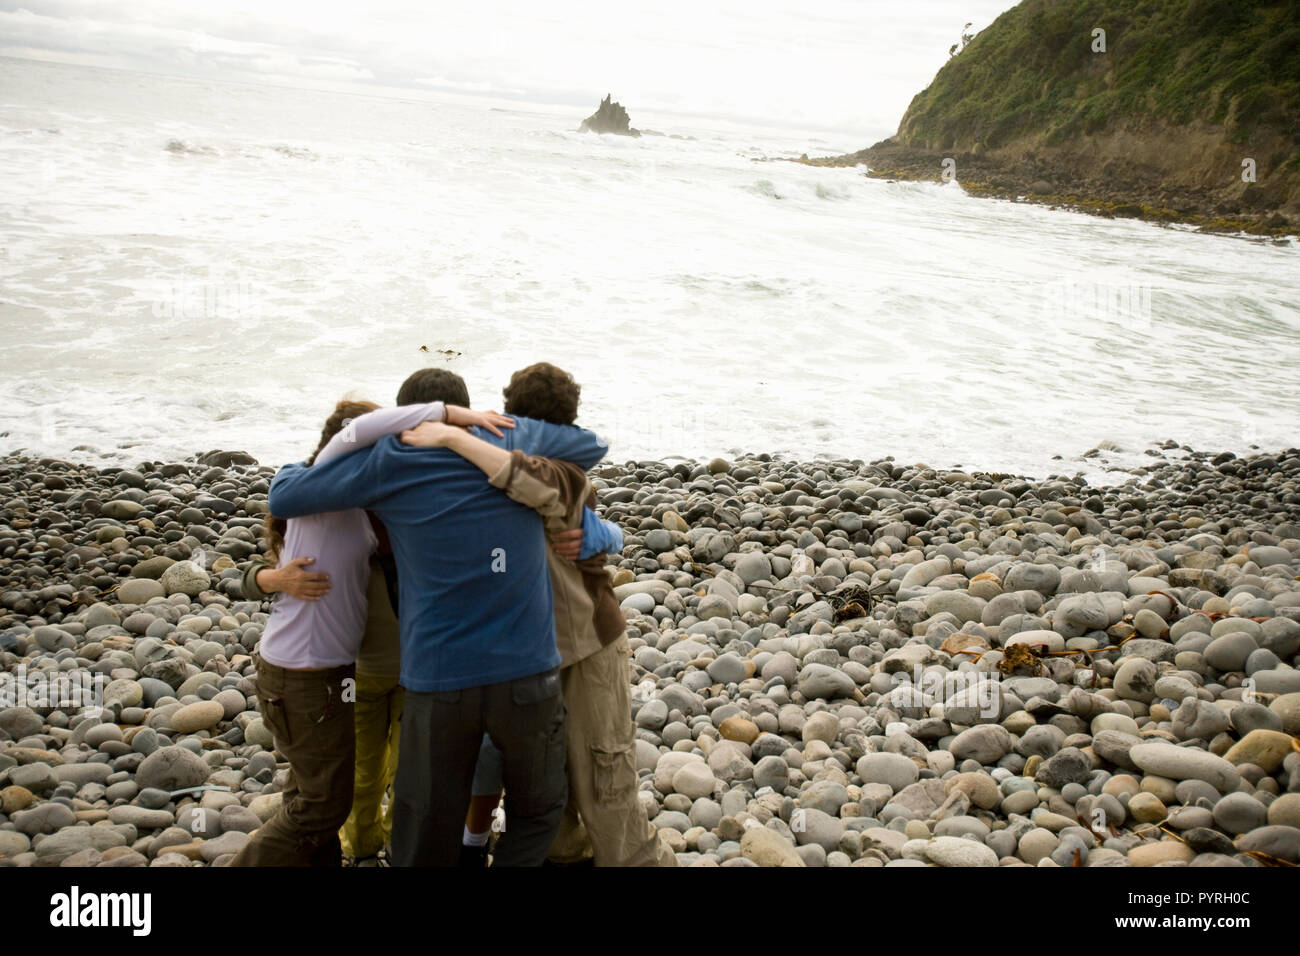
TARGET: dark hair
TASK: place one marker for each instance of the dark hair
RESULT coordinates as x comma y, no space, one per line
544,392
433,385
344,412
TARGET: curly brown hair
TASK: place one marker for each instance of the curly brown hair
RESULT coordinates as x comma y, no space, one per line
346,410
544,392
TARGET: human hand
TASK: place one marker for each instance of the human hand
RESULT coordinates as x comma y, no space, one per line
567,544
430,435
296,581
492,421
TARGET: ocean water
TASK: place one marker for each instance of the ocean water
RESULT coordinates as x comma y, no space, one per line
188,265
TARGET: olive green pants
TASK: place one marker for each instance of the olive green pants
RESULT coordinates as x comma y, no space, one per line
378,731
378,711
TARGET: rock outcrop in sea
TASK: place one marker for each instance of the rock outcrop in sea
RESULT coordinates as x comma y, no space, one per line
610,117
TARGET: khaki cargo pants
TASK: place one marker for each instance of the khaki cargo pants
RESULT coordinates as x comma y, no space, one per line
602,768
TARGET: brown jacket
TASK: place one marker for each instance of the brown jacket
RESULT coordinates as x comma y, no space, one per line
587,615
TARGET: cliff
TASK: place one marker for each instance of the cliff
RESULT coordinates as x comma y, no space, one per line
1173,110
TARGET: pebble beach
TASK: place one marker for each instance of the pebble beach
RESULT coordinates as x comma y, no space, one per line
834,662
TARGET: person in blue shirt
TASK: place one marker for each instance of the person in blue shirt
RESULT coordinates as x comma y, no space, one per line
477,630
437,384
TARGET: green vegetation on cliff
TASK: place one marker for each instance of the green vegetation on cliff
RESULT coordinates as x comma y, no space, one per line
1033,75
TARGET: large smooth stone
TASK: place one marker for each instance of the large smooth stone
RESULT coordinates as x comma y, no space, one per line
1183,763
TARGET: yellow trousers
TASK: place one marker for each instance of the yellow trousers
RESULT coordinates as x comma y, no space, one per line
378,715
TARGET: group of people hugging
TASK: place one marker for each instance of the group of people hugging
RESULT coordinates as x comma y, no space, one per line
444,630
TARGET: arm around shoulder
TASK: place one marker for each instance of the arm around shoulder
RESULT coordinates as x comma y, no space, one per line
350,481
567,442
554,489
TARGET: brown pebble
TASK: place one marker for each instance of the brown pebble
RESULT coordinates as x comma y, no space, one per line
26,755
191,850
14,798
738,728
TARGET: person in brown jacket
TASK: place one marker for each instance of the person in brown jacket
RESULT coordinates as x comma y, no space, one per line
590,633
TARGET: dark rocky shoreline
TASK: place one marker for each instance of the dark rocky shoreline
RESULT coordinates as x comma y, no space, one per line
1047,180
834,662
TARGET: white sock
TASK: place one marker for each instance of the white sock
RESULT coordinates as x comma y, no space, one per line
475,839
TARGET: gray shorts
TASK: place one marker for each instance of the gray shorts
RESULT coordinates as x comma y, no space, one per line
487,772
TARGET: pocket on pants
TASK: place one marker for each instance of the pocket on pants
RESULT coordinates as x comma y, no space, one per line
276,718
536,689
613,770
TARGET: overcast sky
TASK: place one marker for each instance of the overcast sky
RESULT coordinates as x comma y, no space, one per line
838,64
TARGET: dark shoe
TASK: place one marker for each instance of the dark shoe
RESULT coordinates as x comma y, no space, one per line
473,857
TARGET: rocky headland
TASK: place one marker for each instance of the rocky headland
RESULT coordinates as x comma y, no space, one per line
1181,111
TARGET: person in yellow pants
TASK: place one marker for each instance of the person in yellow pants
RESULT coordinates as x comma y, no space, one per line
378,714
378,718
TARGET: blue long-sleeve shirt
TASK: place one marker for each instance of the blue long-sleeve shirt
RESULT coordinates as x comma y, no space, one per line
567,442
475,594
599,536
